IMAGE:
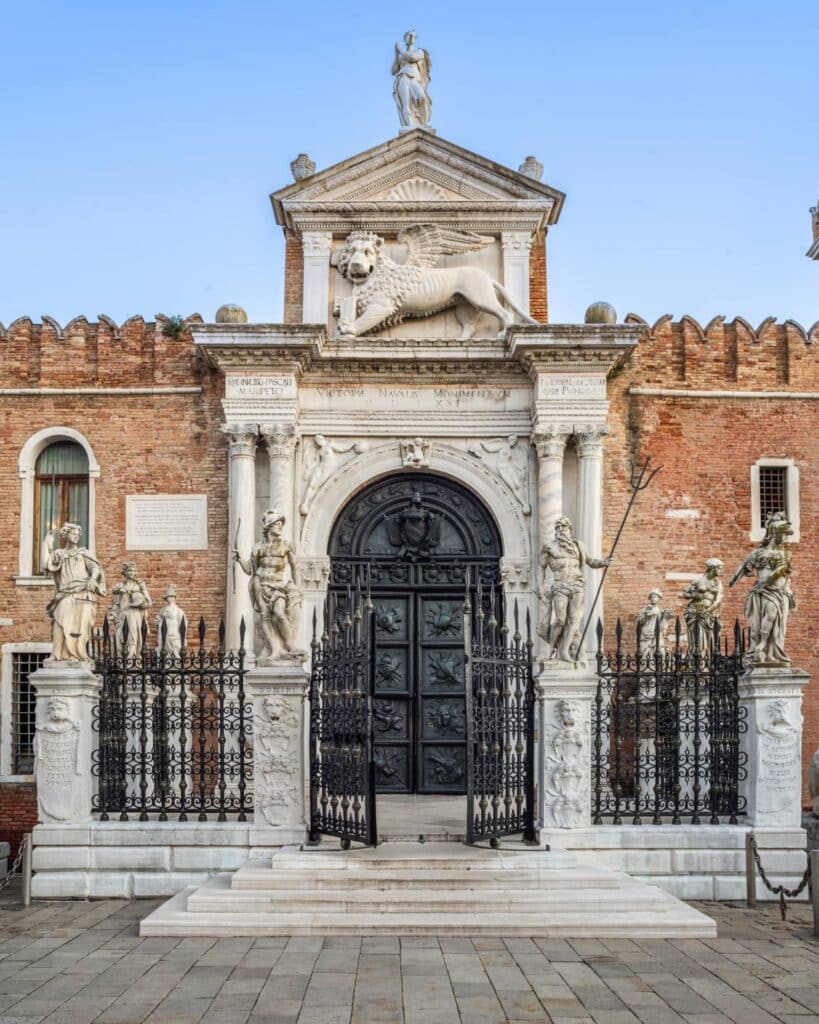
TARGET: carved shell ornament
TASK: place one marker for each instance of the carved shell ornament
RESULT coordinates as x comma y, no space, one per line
416,190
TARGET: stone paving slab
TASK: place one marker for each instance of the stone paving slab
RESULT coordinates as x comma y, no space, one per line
83,962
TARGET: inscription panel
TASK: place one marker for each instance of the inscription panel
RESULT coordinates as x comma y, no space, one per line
259,385
166,522
565,386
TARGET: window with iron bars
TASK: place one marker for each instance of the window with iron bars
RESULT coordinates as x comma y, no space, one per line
773,491
23,704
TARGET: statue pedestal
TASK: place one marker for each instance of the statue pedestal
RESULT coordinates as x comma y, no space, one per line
278,694
772,744
64,741
563,700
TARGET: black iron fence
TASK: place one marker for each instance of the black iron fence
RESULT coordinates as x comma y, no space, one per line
174,728
666,725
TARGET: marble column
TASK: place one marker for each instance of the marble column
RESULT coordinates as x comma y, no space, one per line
242,439
280,440
589,525
516,246
550,445
316,246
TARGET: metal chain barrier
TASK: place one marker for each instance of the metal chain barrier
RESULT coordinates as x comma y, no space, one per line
782,891
16,864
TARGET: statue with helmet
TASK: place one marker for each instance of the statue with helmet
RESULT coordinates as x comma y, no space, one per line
274,590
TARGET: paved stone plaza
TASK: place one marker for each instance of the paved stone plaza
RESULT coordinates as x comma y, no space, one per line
78,962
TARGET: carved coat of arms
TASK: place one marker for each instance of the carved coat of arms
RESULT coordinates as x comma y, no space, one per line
415,530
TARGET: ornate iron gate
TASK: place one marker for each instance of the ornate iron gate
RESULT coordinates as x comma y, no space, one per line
499,723
342,770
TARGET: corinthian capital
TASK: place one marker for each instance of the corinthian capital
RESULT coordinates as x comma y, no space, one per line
280,438
589,439
550,441
317,243
242,438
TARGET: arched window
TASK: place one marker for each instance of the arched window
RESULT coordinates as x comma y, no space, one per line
60,494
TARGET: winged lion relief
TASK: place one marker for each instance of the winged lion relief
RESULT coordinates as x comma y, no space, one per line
386,293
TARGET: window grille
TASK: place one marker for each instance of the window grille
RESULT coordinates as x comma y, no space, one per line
773,491
23,703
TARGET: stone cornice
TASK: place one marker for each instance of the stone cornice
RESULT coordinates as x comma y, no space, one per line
306,348
572,347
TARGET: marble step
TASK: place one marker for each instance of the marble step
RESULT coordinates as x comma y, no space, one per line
263,879
211,899
666,918
410,856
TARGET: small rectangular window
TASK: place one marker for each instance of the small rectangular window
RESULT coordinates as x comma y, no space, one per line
23,705
773,491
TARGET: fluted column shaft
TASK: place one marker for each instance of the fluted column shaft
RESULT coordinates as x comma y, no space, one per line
589,526
242,440
550,446
280,440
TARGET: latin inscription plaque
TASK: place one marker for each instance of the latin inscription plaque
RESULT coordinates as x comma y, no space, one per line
166,522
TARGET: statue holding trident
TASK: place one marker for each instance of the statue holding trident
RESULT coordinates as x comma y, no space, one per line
274,590
411,69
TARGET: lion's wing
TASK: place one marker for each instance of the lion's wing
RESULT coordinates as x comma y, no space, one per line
426,242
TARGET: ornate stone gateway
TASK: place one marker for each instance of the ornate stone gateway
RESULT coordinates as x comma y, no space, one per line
414,539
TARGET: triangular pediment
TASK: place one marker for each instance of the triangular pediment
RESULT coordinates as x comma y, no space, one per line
415,174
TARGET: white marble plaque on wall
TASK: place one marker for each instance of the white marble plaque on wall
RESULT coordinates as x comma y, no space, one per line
571,386
259,385
166,522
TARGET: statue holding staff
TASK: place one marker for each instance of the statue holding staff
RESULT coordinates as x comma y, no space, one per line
78,581
274,590
770,598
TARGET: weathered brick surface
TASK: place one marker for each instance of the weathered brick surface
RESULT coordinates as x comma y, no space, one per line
538,290
18,813
293,277
706,447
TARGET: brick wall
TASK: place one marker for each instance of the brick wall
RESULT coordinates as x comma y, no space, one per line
293,277
706,447
538,290
18,813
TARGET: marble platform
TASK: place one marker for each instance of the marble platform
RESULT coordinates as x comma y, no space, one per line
401,888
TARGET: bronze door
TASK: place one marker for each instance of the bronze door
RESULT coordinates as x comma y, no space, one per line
415,540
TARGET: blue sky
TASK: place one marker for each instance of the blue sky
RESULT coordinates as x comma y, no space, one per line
140,142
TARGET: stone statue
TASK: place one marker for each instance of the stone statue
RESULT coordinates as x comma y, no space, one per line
130,608
813,781
512,463
57,759
565,599
648,619
411,68
78,581
704,597
770,598
170,621
323,465
276,599
386,293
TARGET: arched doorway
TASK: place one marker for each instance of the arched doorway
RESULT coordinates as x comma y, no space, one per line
415,539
